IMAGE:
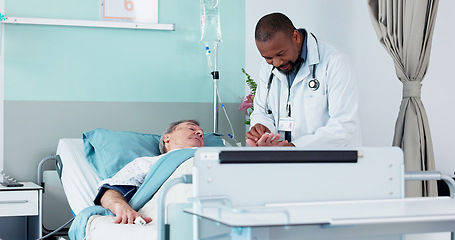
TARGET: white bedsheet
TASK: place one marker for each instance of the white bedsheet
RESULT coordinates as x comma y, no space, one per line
78,178
102,227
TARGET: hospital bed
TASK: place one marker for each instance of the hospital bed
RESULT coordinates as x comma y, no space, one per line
270,193
81,163
290,193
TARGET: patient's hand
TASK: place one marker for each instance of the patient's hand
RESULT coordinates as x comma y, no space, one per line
268,140
256,132
124,214
116,203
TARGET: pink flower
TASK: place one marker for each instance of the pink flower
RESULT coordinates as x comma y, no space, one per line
247,103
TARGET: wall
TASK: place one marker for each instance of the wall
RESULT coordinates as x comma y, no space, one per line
2,6
436,93
347,25
91,73
62,81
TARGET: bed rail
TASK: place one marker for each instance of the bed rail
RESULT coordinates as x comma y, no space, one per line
186,179
432,175
40,169
58,166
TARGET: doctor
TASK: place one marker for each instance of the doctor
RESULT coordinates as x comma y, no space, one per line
306,95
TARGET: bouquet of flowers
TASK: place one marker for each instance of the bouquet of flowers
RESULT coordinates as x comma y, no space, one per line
247,102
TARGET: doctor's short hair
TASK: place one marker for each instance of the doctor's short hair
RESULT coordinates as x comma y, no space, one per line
270,24
169,129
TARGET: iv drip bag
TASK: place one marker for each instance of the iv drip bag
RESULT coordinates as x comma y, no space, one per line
210,21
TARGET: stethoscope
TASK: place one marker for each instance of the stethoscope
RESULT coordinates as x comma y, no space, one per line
313,84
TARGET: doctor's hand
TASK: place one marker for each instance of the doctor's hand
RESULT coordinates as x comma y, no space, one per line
268,140
256,132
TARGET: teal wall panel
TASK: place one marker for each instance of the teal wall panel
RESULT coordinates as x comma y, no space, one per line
33,128
80,9
59,63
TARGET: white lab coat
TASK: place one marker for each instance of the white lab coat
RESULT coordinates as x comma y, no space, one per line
327,117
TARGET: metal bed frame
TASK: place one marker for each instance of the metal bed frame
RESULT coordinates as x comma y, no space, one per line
225,205
287,219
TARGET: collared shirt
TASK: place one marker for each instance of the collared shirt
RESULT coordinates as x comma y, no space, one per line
303,55
128,179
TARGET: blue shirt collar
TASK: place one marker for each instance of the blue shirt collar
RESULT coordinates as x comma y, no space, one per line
303,55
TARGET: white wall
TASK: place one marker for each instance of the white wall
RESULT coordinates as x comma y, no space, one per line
2,10
347,25
437,94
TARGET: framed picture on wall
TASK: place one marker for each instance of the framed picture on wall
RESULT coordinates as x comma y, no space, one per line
129,10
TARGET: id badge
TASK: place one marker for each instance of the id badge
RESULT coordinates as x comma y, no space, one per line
286,124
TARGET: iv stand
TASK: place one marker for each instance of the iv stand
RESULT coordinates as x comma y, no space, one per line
216,77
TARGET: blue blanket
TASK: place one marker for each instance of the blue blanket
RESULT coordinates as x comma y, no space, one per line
156,176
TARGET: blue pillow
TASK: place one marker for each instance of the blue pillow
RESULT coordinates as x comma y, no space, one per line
213,140
109,151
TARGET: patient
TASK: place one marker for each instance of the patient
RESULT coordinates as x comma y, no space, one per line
115,192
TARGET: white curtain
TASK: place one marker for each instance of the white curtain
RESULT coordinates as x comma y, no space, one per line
405,29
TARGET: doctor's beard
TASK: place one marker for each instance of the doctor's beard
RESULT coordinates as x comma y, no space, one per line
294,66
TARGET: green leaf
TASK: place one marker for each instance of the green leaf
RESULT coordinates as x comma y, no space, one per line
250,82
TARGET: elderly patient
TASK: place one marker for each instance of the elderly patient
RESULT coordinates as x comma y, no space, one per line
115,192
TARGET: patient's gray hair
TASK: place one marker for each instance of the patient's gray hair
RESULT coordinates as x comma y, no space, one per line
172,126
